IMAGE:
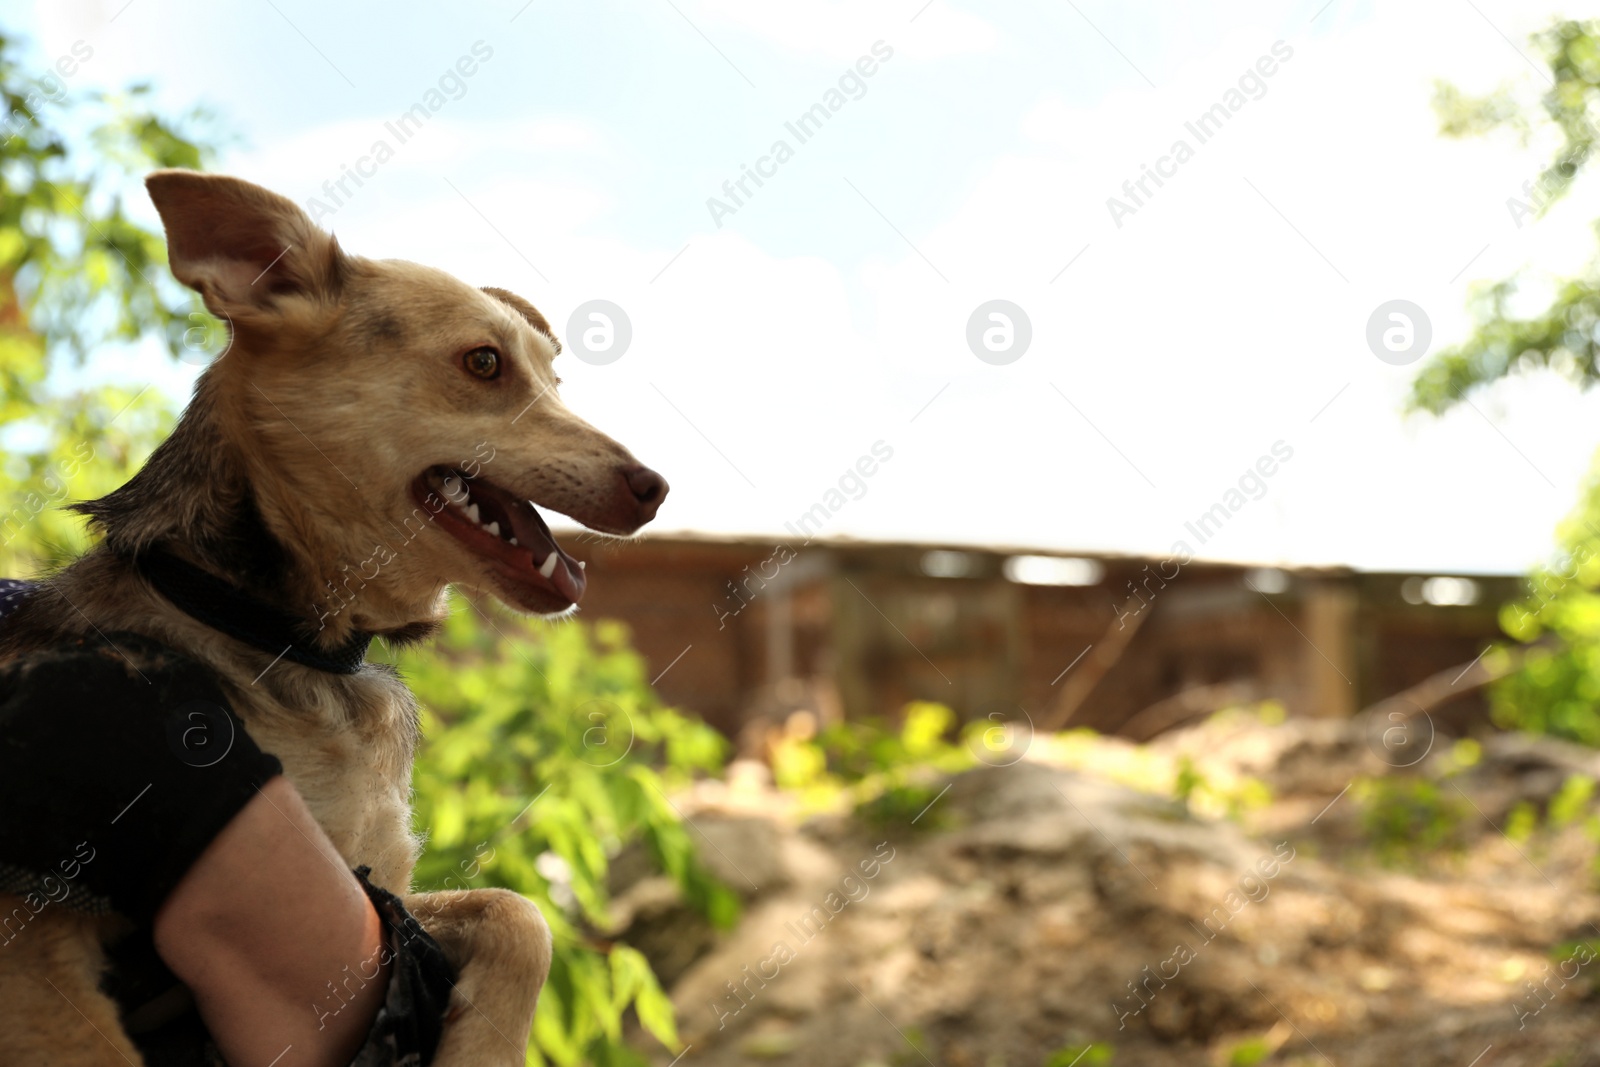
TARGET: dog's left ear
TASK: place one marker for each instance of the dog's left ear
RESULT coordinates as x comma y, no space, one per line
527,311
241,247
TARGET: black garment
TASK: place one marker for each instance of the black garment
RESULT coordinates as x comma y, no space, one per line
411,1021
120,760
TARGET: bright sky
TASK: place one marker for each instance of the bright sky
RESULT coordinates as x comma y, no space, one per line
830,310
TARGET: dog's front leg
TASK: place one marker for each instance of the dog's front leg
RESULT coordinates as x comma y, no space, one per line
52,1012
500,946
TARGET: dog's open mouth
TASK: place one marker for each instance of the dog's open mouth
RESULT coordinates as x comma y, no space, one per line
504,530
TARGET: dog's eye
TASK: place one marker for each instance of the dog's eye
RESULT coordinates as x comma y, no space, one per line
482,363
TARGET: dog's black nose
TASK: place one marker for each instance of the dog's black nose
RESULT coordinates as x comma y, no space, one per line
648,488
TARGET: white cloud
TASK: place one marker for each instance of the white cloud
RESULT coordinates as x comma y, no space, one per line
844,30
1221,317
1210,326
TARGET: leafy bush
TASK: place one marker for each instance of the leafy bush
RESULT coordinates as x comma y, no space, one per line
1186,781
545,751
1099,1054
1525,322
1251,1052
1572,801
1407,819
1570,804
75,273
1557,690
1558,109
1201,789
886,774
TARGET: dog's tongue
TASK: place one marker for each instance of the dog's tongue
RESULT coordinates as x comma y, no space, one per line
568,576
534,535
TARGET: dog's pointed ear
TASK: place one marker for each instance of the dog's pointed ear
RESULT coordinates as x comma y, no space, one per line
242,247
527,311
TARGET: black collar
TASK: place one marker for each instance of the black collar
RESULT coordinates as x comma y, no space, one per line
236,613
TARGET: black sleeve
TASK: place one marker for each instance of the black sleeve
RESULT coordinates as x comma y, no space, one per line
410,1024
119,762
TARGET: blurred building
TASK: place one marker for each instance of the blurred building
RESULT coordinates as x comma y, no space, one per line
746,631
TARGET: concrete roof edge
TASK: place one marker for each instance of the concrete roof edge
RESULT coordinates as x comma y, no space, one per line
845,542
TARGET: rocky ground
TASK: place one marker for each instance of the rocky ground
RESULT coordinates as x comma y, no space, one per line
1352,912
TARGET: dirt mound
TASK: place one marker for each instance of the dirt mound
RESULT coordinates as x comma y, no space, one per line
1042,907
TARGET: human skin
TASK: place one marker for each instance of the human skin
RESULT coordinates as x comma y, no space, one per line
259,927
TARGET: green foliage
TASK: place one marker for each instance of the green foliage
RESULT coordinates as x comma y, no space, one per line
1521,822
1570,806
1571,802
1099,1054
888,775
545,752
1572,962
1231,797
1250,1052
85,270
1564,336
1207,791
918,1049
1406,820
1582,948
86,450
1462,755
1557,690
75,272
1186,781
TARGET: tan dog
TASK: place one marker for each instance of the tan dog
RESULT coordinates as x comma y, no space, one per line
377,431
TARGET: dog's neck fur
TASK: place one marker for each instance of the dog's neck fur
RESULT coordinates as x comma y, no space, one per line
195,497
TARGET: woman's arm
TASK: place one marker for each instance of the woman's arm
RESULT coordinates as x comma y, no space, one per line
276,939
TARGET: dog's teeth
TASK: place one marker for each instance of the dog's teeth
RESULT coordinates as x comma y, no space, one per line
582,566
548,568
513,540
494,528
472,512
